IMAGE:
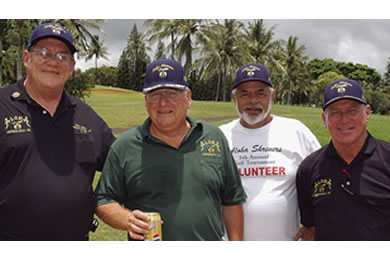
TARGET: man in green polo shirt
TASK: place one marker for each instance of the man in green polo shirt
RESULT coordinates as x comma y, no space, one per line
174,165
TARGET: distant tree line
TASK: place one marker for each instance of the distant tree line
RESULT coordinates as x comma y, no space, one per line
211,51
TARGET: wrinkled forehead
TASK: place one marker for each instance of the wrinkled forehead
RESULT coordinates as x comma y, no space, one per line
252,85
167,89
52,43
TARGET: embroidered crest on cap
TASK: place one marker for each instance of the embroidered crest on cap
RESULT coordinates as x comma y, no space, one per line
341,86
56,28
251,70
163,70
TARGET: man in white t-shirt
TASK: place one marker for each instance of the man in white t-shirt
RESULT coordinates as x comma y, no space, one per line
268,150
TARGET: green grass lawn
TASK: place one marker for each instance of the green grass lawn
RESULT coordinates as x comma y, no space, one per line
123,111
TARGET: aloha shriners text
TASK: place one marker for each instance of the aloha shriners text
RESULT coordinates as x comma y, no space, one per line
256,148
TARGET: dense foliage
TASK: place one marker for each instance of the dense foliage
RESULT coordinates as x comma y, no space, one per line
210,51
132,63
106,76
78,85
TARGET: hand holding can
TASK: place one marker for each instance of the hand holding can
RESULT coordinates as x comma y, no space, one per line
138,225
155,233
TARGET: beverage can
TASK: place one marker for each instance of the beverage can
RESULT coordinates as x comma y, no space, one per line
156,233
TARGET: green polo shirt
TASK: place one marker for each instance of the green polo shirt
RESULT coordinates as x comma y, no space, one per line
188,185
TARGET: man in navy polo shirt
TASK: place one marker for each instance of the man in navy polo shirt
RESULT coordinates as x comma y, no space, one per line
344,187
51,144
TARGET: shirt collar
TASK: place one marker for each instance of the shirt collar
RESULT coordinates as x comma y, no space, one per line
20,94
368,147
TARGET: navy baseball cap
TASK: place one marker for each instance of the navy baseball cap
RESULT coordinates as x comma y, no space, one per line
164,73
342,89
53,30
252,71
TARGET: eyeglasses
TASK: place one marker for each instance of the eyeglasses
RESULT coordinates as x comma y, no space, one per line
45,55
171,96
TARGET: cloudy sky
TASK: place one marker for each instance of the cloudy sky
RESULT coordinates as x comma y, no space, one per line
364,41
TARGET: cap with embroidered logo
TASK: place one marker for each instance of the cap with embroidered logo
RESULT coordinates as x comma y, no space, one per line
51,30
164,73
343,89
252,71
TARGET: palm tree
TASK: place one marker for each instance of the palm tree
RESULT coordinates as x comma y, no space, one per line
17,34
187,29
261,46
9,64
181,32
291,64
3,32
161,29
80,29
97,50
160,52
222,52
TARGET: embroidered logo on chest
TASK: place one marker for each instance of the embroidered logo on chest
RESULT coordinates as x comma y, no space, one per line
17,124
81,129
322,187
210,148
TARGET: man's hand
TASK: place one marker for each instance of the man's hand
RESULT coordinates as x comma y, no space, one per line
305,234
134,222
138,225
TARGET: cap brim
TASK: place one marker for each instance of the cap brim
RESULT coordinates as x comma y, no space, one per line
343,97
166,85
253,79
70,46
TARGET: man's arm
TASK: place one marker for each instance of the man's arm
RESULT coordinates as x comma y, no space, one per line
134,222
306,208
234,221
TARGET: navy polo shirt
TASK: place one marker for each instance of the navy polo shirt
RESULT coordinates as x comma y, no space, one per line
346,202
47,164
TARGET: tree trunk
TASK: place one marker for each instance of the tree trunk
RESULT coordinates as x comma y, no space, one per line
1,70
1,65
19,64
218,86
96,70
172,46
289,93
188,64
224,85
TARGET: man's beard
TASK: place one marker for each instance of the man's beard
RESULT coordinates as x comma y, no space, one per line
254,119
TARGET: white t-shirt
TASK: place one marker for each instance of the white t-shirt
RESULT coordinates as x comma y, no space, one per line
267,159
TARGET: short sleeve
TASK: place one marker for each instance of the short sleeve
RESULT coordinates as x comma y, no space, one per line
303,184
110,187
